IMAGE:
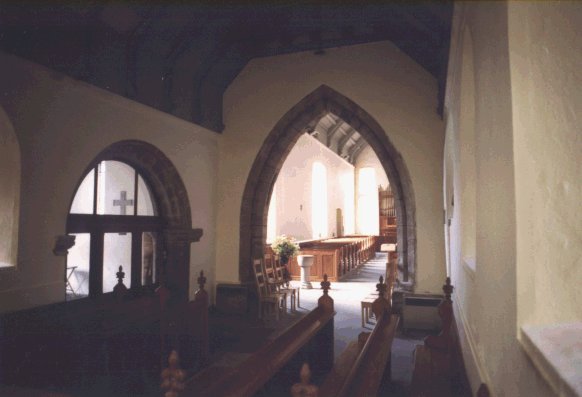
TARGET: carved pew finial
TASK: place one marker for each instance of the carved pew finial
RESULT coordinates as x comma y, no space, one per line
448,289
201,280
173,376
120,290
443,341
381,287
381,305
304,389
325,285
325,300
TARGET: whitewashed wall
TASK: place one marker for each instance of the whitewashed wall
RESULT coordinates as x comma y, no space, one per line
395,90
294,189
526,66
368,159
546,76
61,125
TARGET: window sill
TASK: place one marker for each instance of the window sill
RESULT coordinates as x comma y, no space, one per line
556,352
4,267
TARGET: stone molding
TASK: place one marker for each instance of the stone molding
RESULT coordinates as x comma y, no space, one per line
179,235
63,243
274,151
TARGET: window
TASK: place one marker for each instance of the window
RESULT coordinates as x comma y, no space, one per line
272,217
114,219
368,206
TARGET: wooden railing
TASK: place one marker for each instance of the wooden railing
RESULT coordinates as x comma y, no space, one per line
372,365
252,374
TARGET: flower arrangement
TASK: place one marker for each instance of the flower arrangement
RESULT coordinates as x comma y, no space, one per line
285,247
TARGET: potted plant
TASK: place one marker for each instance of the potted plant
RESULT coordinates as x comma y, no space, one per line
285,247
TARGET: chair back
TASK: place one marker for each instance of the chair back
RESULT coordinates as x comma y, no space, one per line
260,277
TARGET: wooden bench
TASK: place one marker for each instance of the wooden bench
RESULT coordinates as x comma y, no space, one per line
121,336
365,364
438,363
249,376
334,257
366,306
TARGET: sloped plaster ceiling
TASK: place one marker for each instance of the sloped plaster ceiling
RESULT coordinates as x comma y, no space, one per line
180,58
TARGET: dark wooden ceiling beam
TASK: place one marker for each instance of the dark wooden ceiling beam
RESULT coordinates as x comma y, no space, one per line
204,48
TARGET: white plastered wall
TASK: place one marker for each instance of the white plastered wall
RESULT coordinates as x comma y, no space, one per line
62,124
368,159
294,188
391,87
546,81
486,297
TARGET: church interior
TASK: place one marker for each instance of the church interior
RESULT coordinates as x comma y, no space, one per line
153,154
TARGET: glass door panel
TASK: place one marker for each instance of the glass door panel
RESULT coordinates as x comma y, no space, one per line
148,258
77,276
116,252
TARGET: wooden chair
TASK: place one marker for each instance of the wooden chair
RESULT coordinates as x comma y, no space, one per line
283,286
266,296
275,282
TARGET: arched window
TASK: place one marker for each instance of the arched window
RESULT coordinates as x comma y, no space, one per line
368,206
114,218
272,217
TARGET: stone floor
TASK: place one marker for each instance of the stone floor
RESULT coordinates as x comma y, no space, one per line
347,295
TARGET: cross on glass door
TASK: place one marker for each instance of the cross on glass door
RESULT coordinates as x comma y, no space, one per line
123,203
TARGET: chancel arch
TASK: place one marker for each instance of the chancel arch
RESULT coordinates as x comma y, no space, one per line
274,151
153,209
9,192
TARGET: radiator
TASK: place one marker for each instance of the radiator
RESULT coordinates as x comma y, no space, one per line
421,312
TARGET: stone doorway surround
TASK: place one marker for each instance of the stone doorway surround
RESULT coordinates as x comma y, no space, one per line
272,155
171,197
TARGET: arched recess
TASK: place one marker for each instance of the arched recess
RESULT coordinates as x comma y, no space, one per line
173,205
272,155
9,191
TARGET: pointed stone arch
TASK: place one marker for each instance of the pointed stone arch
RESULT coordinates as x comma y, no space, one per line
274,151
10,179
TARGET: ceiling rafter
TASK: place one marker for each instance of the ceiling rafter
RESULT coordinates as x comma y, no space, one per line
357,148
332,131
345,139
198,51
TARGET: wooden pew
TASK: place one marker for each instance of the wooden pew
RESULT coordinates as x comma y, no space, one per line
362,368
113,343
63,345
438,364
334,257
184,325
253,373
